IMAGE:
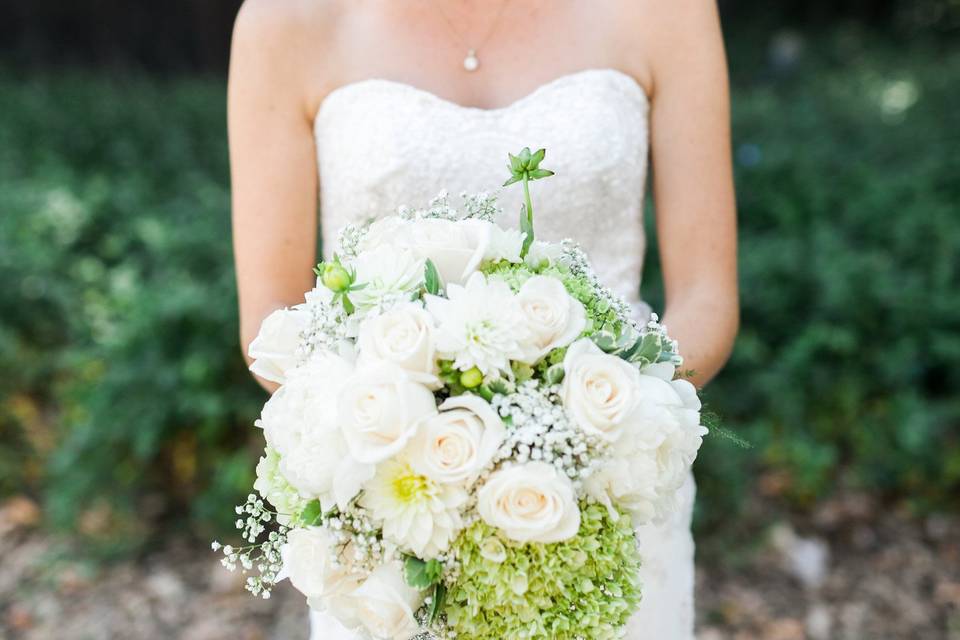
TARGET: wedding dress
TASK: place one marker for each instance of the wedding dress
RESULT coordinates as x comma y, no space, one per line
381,144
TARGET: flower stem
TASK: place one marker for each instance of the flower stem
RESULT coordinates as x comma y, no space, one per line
526,195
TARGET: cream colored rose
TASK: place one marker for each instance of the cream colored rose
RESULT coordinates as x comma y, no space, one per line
310,561
600,391
457,443
274,349
403,336
530,502
384,604
554,318
379,410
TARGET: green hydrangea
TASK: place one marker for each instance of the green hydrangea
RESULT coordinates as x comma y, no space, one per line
583,588
274,487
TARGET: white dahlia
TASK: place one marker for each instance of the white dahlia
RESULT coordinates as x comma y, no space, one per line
416,513
480,325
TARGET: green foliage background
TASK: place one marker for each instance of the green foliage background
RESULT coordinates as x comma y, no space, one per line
124,399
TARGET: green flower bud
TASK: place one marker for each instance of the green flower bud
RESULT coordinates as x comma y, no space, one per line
335,277
471,378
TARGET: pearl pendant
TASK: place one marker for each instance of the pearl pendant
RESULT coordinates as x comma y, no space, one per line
471,62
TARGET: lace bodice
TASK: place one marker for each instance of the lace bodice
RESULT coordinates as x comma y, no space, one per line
381,144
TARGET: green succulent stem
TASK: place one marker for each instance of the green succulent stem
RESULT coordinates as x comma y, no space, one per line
525,167
526,197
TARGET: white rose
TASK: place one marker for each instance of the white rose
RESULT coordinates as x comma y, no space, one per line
382,231
554,317
456,248
386,275
300,423
379,410
530,502
600,391
384,604
404,336
310,561
274,349
457,443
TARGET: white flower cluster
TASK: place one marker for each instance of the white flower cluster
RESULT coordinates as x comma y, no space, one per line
541,430
264,557
418,395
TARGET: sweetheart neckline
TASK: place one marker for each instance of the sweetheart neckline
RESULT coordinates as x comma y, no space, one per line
450,104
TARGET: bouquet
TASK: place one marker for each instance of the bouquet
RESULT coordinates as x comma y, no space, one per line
468,429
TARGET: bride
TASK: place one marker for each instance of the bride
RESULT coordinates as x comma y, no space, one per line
376,103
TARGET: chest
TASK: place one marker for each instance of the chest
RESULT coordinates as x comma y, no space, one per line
518,45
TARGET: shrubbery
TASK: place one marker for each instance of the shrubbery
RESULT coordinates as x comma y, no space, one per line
846,368
124,392
123,386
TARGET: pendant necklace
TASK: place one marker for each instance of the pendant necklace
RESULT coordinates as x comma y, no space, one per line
471,62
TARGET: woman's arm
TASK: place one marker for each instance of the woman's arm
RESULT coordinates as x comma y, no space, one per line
273,166
693,183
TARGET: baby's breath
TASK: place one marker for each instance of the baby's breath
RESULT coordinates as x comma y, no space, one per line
326,331
262,556
540,430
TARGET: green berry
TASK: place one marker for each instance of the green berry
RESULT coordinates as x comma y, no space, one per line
471,378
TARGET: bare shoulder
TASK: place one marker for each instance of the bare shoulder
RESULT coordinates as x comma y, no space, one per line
284,27
286,43
660,36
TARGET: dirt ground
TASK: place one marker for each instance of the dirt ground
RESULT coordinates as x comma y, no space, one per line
850,572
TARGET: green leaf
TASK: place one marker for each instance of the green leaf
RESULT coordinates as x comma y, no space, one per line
555,374
536,174
649,349
500,386
605,340
419,574
525,157
515,165
437,601
312,513
536,159
512,180
485,392
431,278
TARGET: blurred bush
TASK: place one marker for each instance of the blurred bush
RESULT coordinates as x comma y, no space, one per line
123,390
125,398
846,369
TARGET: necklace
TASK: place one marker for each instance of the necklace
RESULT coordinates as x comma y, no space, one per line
471,62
